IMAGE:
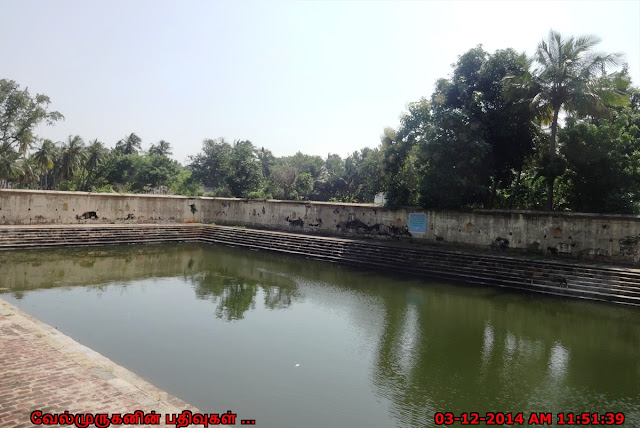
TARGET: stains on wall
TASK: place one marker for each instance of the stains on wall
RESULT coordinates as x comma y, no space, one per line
318,223
533,247
296,222
589,236
629,245
89,215
564,248
52,207
557,232
500,243
399,231
356,226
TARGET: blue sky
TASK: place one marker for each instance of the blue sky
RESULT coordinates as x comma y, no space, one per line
316,76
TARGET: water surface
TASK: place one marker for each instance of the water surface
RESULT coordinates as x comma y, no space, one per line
292,342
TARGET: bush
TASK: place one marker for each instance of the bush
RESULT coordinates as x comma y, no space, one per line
107,188
259,195
222,192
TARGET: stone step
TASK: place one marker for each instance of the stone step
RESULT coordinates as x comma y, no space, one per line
557,278
445,274
462,255
93,243
499,269
550,278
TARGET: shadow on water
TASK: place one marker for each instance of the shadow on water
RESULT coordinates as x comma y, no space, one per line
434,346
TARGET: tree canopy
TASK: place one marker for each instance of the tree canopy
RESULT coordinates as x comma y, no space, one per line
557,130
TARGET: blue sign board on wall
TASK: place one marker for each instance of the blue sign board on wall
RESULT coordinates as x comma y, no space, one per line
418,223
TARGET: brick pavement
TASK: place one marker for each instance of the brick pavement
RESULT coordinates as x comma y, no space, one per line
42,369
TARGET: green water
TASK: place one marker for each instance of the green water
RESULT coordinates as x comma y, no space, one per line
292,342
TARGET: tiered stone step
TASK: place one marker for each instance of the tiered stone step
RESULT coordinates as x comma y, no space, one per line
576,280
39,237
551,277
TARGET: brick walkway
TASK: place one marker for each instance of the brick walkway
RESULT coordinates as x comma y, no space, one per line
42,369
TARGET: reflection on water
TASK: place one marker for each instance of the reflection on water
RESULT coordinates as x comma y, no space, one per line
224,328
235,294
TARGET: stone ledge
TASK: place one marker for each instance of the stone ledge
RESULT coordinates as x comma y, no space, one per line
42,379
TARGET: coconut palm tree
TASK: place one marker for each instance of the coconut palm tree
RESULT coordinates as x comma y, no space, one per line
9,166
44,158
267,161
163,148
28,175
130,144
96,153
569,77
72,157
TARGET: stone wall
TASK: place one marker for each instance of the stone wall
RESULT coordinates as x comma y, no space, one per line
28,207
612,238
572,235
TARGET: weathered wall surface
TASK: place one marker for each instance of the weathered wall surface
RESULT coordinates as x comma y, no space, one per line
573,235
318,217
25,207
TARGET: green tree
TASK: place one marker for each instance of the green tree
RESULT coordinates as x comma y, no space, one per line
303,184
28,172
371,172
399,153
9,165
121,171
212,165
72,157
454,162
477,136
281,179
185,184
568,77
157,173
20,113
314,165
129,145
267,161
45,157
96,153
351,178
245,170
147,173
603,162
163,148
330,182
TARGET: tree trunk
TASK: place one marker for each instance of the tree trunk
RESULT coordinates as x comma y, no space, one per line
492,195
552,157
517,191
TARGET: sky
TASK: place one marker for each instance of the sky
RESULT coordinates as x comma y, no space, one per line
313,76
